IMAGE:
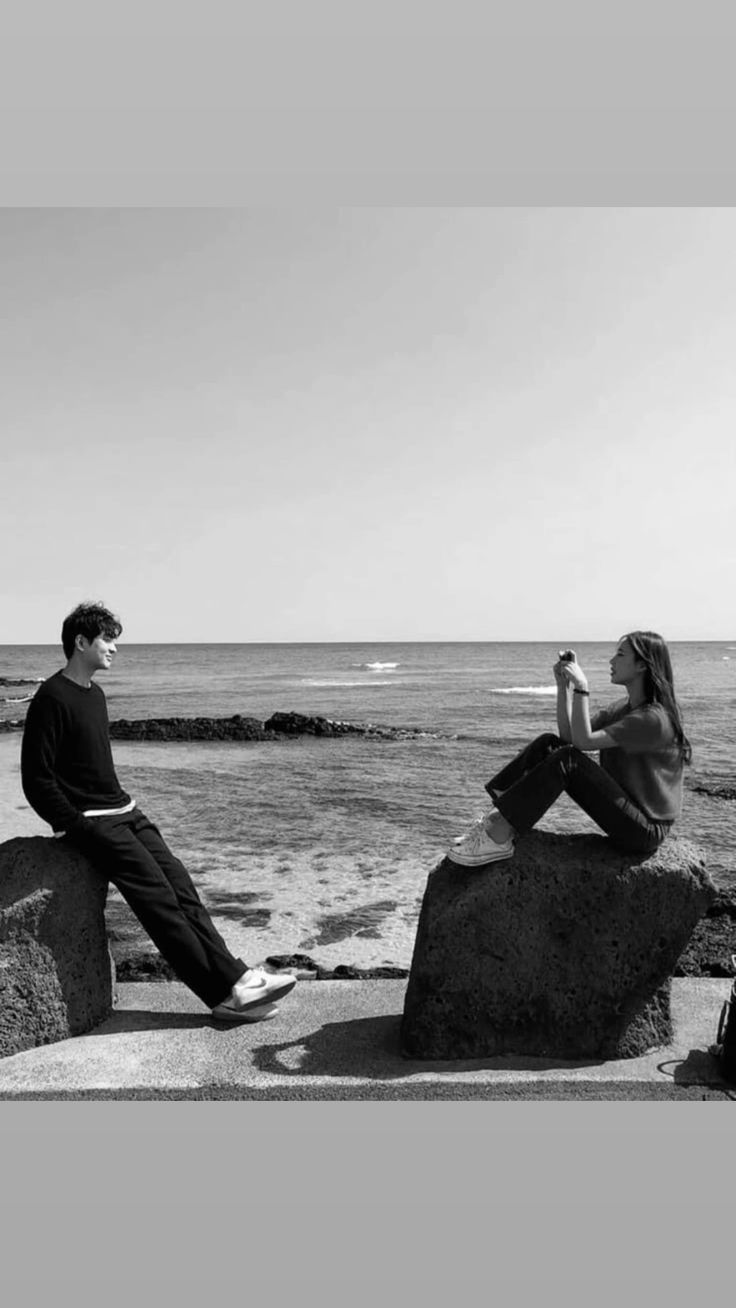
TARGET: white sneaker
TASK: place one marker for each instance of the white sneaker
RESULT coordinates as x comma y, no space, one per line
255,1013
479,848
480,823
255,988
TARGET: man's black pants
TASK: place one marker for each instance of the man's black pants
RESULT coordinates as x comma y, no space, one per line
130,851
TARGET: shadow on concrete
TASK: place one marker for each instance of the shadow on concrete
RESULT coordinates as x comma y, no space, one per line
370,1047
699,1067
130,1020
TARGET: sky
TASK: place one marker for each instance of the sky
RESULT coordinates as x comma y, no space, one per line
369,424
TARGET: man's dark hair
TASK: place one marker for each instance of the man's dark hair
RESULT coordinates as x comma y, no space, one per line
90,619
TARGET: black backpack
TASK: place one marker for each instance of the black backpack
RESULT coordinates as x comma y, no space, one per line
725,1047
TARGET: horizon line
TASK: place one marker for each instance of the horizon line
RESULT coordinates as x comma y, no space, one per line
507,640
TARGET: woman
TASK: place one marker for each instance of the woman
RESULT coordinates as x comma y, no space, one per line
634,794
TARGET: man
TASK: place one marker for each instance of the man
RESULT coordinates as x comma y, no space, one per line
69,779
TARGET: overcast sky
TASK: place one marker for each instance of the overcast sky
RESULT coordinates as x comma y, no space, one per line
369,424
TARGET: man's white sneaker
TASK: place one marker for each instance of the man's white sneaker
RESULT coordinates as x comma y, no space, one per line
255,988
479,848
256,1013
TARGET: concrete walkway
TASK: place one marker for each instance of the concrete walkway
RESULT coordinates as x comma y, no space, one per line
339,1040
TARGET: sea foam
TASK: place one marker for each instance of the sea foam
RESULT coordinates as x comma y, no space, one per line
315,681
523,690
377,667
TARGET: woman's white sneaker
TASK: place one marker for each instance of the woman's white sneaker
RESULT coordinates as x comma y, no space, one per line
479,848
480,822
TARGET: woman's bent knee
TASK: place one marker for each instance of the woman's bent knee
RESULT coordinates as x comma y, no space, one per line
548,738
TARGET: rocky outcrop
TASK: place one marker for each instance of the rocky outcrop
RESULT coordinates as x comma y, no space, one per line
564,951
234,728
278,726
304,724
712,945
713,791
56,973
304,966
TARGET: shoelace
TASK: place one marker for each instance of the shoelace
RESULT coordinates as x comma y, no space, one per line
477,825
476,838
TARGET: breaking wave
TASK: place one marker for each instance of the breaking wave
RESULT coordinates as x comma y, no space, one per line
523,690
316,681
377,667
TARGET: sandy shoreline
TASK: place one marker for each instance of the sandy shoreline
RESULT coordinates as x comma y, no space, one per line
274,903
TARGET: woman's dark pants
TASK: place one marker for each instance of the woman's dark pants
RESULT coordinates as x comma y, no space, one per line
529,785
130,851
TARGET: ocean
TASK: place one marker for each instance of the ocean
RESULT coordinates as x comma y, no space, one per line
323,846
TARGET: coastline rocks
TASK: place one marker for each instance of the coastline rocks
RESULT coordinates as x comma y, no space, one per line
56,973
304,966
565,951
713,942
278,726
234,728
303,724
713,791
141,965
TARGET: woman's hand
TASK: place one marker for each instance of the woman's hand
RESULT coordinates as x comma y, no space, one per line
574,675
565,657
559,675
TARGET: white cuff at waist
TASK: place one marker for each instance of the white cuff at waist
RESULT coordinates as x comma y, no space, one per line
101,812
109,812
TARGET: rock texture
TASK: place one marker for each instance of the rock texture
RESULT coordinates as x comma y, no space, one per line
712,945
56,974
564,951
304,724
234,728
278,726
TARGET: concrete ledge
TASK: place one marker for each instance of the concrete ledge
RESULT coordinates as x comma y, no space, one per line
340,1040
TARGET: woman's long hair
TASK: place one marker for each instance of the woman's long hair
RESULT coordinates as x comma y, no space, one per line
659,688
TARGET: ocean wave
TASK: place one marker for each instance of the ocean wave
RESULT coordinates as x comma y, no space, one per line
523,690
377,667
315,681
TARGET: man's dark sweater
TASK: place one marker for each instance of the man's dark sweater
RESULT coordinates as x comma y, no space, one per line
66,759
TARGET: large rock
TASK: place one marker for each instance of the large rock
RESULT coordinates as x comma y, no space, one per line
56,973
564,951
